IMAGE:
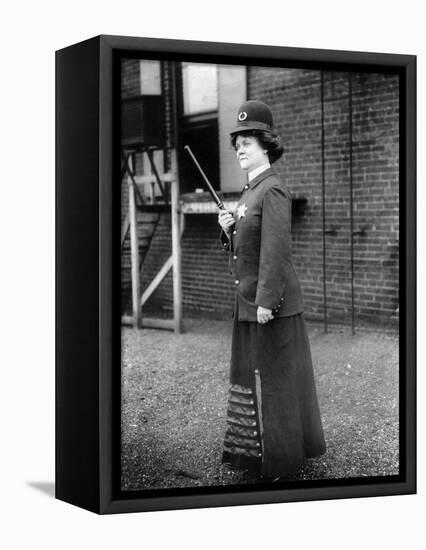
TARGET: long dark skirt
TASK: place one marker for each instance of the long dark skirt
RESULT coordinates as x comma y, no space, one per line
273,417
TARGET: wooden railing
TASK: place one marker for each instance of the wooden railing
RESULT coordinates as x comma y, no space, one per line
130,223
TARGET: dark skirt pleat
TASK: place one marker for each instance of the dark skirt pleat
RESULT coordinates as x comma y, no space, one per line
242,444
272,364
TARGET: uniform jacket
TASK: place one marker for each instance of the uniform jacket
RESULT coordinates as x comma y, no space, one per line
260,250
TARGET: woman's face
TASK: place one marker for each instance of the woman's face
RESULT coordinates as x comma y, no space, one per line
249,153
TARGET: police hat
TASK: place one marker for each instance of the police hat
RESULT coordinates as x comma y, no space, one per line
253,115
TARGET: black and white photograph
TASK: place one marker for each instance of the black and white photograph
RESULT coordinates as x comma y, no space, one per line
212,220
259,275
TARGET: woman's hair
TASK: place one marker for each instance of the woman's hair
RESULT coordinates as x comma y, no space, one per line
268,140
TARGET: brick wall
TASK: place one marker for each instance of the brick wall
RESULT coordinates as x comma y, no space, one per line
130,78
206,283
295,99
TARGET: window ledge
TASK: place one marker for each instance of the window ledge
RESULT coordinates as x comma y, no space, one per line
202,203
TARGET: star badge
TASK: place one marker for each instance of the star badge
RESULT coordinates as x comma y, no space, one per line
241,211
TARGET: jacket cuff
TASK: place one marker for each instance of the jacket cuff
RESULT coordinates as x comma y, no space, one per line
268,299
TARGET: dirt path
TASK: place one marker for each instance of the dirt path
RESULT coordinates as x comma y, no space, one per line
174,394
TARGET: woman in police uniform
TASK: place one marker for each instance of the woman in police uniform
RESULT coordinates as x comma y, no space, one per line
273,418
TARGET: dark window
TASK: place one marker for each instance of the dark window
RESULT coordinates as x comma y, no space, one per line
198,124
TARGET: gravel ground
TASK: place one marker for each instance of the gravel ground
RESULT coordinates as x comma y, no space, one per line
174,395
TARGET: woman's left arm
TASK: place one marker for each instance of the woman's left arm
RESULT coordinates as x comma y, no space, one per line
275,247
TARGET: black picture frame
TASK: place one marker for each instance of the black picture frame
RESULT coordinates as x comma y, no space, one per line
87,322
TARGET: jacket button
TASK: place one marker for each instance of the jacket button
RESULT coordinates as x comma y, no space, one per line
235,257
282,299
234,232
246,186
237,282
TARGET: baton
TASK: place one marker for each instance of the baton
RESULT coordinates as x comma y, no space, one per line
213,193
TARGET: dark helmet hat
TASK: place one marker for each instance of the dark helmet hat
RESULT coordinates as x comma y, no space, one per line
253,115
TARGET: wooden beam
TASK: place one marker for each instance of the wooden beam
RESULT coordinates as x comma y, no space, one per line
149,154
134,254
149,322
166,324
176,254
125,229
127,320
144,179
157,280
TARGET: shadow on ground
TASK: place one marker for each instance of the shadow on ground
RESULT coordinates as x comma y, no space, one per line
47,487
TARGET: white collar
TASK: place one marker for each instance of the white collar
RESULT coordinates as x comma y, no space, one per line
258,170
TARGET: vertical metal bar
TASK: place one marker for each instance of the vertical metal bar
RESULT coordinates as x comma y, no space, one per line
351,215
324,266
